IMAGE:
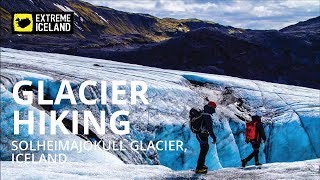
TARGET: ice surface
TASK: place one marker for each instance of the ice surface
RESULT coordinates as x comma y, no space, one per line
291,114
296,170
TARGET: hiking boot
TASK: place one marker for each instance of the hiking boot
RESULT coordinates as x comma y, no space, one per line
258,164
243,162
201,171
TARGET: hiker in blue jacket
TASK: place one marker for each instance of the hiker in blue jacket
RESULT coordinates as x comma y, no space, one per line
202,136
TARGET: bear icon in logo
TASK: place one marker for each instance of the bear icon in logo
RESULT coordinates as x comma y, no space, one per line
23,22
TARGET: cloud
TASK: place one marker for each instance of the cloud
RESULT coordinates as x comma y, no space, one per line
253,14
182,6
131,5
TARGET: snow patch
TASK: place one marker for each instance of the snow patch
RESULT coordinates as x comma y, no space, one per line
65,8
103,19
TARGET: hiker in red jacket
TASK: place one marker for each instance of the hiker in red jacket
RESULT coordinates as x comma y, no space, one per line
255,135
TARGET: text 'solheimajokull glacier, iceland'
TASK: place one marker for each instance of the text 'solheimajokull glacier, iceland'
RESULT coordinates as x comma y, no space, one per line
291,114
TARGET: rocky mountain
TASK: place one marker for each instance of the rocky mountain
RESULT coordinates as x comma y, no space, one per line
310,26
290,55
95,26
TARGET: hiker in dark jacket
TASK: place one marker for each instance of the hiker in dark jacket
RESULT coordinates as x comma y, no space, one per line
260,137
206,130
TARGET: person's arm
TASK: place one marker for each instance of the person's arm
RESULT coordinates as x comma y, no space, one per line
209,125
261,131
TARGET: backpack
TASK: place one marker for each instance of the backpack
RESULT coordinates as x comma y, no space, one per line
196,120
251,131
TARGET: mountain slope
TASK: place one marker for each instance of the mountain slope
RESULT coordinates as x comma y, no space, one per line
266,55
309,26
95,26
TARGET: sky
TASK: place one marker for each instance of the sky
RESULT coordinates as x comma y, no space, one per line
251,14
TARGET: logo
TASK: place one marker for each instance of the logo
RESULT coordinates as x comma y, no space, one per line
42,23
22,22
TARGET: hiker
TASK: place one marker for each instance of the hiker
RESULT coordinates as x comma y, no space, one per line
255,135
201,125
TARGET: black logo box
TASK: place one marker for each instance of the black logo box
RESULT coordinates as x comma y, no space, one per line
42,32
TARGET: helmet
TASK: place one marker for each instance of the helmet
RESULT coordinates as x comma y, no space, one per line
212,104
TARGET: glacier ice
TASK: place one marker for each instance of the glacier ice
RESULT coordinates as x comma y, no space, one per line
291,114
